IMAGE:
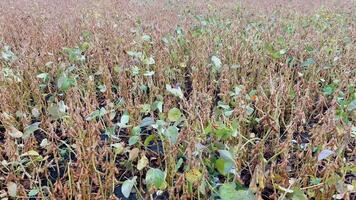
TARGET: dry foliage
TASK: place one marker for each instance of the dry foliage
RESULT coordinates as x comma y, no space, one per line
164,99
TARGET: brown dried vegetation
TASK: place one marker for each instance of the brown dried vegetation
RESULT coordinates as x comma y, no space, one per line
267,94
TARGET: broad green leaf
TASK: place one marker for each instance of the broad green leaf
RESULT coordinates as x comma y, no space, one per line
216,62
352,105
298,194
308,62
134,139
84,46
127,186
96,114
125,118
328,90
226,155
155,178
175,91
174,114
224,166
146,38
157,105
33,192
7,54
145,108
64,82
147,121
228,192
172,134
54,112
102,88
223,132
30,130
74,54
135,54
226,163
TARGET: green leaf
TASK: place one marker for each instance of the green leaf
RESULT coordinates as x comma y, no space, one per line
298,194
216,62
157,105
102,88
127,186
228,192
178,164
96,114
135,135
135,71
64,82
226,163
352,105
223,132
33,192
172,134
74,54
54,112
30,130
224,166
175,91
138,55
7,54
174,114
249,110
155,178
149,139
226,155
133,140
145,108
147,121
43,76
125,118
328,90
146,38
308,62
